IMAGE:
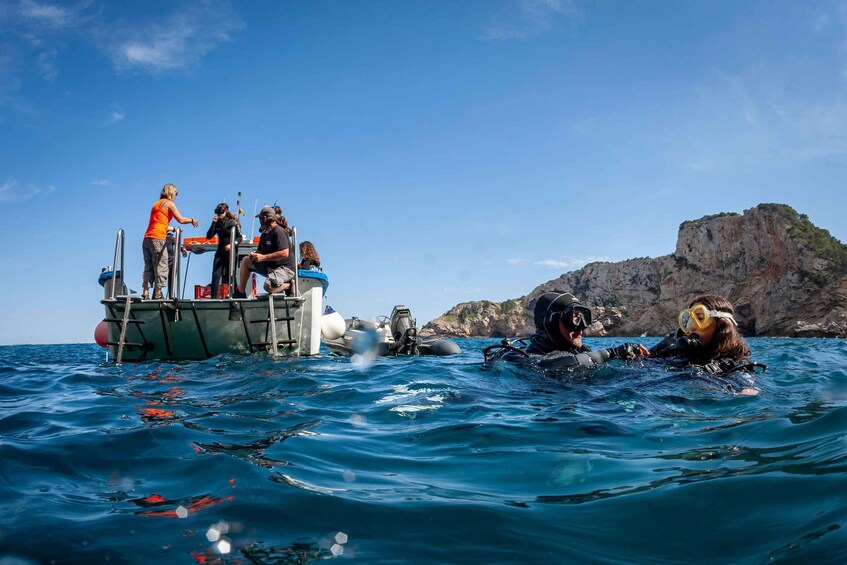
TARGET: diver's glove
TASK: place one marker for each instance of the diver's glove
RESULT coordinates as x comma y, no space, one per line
683,346
627,350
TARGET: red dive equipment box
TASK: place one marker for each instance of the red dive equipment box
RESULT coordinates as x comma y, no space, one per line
201,292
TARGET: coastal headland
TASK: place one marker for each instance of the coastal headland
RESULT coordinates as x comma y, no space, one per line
785,276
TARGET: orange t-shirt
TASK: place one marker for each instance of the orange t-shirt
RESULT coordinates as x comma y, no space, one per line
160,217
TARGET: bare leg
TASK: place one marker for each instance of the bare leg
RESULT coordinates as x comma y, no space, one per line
244,274
275,290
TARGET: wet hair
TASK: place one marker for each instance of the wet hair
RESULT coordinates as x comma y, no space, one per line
309,253
231,216
168,191
727,342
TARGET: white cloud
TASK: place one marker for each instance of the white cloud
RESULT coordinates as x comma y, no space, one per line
566,263
13,191
177,42
10,72
102,182
527,18
35,33
570,263
584,127
821,21
463,290
47,65
115,117
50,17
702,165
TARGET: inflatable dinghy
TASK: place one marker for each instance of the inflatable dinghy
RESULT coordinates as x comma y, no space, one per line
388,337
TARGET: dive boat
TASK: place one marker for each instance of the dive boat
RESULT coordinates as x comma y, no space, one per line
198,328
391,336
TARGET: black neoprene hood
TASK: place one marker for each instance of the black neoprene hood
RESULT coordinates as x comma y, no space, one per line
551,302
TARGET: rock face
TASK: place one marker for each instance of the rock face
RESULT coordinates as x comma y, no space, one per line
785,277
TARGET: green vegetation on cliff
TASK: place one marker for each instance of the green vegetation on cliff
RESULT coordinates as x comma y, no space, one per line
819,240
709,217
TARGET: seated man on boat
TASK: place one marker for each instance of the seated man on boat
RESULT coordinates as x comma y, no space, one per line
272,259
557,341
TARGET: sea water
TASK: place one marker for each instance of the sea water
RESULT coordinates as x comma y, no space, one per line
261,460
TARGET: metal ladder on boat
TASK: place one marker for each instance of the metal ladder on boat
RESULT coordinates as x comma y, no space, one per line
274,342
123,324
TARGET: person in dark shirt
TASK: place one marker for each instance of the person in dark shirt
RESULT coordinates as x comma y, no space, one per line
272,259
309,258
557,342
222,223
280,219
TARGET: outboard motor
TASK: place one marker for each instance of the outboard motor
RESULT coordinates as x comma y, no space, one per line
403,330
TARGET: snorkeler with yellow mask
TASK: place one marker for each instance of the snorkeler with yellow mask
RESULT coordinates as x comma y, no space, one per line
708,335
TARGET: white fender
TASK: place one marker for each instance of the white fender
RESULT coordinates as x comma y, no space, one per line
332,324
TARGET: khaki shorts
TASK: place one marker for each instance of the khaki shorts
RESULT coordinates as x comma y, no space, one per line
278,276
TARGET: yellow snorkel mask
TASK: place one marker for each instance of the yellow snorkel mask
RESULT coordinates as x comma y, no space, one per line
698,317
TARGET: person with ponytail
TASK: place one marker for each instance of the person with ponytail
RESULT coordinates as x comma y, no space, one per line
154,245
222,223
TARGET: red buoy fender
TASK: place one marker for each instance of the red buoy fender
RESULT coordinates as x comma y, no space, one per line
101,333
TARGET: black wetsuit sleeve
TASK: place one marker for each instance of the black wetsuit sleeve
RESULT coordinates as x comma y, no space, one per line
211,233
226,229
564,360
667,342
679,345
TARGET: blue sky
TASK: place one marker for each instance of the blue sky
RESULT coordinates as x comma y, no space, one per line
434,151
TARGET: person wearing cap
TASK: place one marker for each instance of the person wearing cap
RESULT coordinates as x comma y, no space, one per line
272,259
222,223
154,245
557,342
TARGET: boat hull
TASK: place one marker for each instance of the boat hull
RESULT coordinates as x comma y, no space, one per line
199,329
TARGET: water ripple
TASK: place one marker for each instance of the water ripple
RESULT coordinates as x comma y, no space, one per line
418,459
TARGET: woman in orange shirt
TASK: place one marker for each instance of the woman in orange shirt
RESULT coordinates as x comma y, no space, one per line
154,248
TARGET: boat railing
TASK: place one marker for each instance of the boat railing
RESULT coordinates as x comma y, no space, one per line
119,252
175,272
232,254
176,266
296,280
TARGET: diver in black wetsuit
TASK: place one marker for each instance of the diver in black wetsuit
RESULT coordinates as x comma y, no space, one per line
708,336
222,223
557,341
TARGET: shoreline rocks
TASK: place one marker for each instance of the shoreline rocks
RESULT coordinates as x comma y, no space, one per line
785,276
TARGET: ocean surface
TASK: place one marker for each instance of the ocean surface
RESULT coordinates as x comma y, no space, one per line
257,460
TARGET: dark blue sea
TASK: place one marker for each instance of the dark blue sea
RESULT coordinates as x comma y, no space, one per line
257,460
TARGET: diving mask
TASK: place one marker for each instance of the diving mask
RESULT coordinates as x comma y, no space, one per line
698,317
574,317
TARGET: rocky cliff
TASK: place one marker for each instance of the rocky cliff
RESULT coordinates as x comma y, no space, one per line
785,276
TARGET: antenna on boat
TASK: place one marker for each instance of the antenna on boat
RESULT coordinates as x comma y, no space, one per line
238,210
